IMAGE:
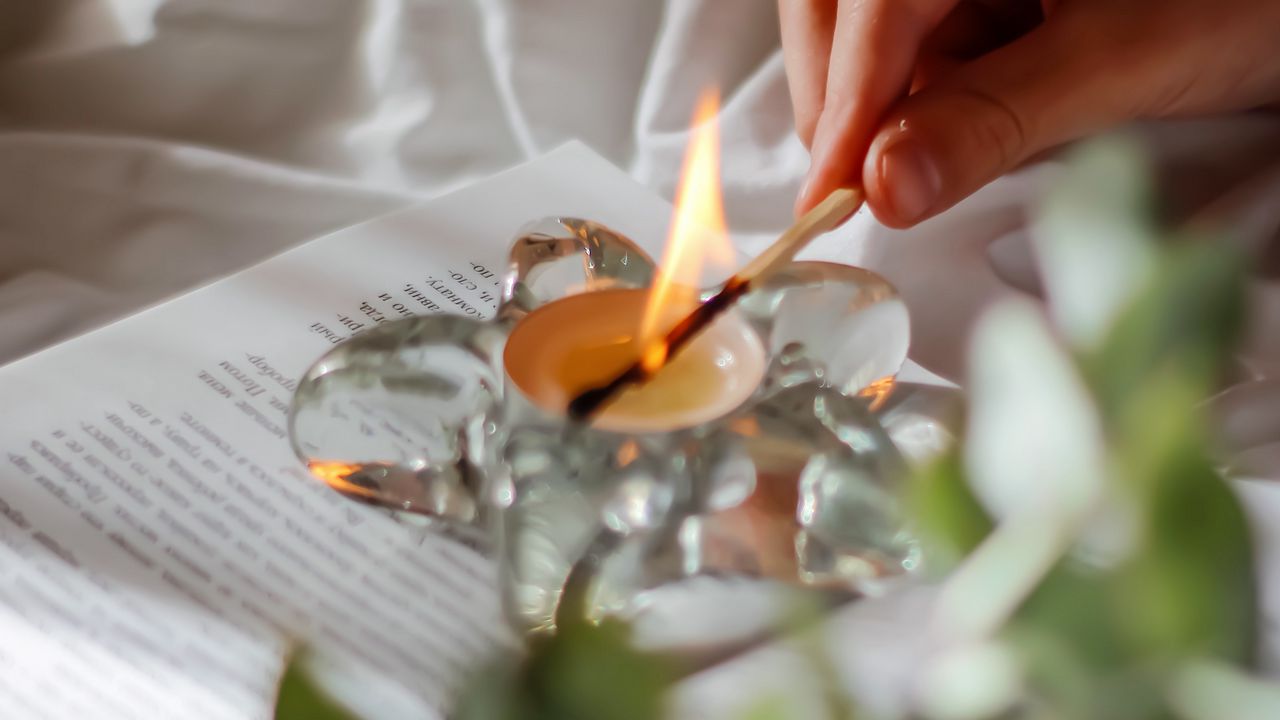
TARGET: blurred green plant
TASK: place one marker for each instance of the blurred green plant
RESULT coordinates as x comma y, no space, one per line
1147,567
299,697
1093,562
583,672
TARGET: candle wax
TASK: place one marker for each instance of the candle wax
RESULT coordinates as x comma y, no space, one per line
584,340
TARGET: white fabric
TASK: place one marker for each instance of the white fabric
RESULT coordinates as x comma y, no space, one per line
148,146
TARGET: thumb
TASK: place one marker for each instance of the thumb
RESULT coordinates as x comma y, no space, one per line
988,116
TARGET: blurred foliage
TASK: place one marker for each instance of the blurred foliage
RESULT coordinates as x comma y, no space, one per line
300,699
583,672
949,519
1147,606
1183,324
1109,637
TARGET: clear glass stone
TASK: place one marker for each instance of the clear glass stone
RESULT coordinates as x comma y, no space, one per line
799,485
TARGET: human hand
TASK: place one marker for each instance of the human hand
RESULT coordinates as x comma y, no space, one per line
925,101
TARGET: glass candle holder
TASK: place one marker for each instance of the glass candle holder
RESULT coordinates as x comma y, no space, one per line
770,462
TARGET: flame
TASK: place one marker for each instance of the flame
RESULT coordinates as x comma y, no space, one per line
332,473
698,231
336,474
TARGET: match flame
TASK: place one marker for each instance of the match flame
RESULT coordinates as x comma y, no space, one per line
699,235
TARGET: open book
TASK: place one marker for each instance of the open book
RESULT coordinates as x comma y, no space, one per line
160,545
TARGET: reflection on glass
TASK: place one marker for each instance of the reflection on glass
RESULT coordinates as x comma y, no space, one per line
793,482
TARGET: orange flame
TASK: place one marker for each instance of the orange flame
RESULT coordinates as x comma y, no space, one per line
335,474
698,231
332,473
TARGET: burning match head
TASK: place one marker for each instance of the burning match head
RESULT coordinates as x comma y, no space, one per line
589,402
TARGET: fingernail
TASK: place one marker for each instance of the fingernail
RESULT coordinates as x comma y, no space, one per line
802,196
910,178
817,156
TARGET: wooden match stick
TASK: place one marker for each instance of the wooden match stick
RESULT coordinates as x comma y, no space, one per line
836,207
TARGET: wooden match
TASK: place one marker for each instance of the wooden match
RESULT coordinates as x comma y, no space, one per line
825,216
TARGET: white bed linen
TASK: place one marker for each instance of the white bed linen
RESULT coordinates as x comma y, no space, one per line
149,146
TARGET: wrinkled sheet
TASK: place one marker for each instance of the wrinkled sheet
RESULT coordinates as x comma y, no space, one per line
150,146
147,146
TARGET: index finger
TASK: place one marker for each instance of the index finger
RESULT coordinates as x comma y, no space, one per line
806,26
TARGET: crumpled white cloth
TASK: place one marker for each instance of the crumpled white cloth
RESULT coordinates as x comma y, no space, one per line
150,146
147,146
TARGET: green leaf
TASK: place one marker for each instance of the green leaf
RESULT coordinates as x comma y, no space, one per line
948,517
583,672
1186,322
300,699
1059,674
589,671
1191,589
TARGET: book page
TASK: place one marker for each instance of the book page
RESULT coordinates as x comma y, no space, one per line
161,547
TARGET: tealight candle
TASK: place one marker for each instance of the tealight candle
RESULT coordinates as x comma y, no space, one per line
579,341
